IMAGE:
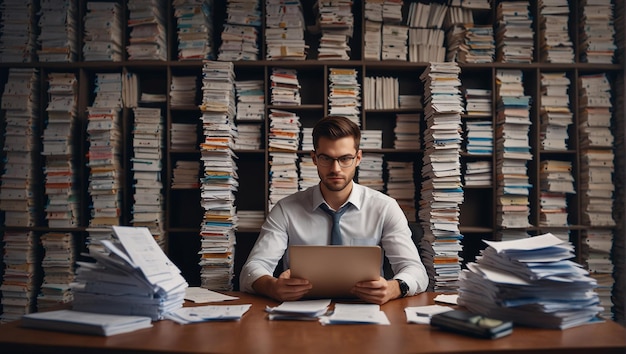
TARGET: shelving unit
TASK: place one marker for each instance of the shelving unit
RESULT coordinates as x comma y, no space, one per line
183,213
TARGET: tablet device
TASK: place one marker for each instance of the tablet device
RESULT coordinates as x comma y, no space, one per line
333,270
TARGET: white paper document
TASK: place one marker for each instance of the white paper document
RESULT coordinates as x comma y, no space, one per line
356,314
201,295
194,314
422,314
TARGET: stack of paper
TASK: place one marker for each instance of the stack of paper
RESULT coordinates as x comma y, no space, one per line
132,277
596,143
556,115
284,30
147,210
512,150
194,27
103,32
283,179
183,136
597,31
251,219
556,182
514,32
20,102
308,172
105,148
372,40
131,90
401,186
596,251
57,31
336,22
344,97
18,27
371,139
219,180
86,322
478,45
442,193
285,87
407,131
58,269
381,92
477,174
240,35
477,102
371,171
183,92
60,172
426,44
284,133
479,137
394,42
355,314
186,175
147,21
195,314
19,286
556,46
531,282
249,136
299,310
250,100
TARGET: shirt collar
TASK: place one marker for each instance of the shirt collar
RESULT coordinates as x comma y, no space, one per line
355,198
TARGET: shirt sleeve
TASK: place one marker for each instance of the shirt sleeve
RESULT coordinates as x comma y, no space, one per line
267,251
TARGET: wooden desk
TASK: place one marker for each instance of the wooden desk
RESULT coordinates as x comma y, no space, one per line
255,334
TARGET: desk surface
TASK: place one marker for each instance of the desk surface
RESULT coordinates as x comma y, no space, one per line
255,334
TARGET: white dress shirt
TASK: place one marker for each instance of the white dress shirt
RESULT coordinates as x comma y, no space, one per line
373,218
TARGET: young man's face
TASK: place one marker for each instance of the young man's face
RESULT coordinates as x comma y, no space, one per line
336,162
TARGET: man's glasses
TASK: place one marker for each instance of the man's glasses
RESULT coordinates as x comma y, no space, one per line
344,161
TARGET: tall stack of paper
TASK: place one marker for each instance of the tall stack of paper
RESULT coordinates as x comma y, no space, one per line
57,31
336,22
556,46
426,35
478,174
531,282
556,115
20,183
102,40
58,270
131,277
372,40
596,253
240,36
401,186
61,185
284,30
597,31
147,210
478,44
555,183
512,150
183,91
250,100
407,131
344,97
285,87
371,171
596,144
104,157
479,137
308,172
219,180
442,192
194,27
283,178
17,31
20,281
147,20
514,32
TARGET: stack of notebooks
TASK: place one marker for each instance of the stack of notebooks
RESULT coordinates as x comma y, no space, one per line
219,180
530,282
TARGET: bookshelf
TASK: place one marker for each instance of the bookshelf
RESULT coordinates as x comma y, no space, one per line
183,213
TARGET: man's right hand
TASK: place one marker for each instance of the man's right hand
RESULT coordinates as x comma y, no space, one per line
283,288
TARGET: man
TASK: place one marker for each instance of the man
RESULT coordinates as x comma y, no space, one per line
371,218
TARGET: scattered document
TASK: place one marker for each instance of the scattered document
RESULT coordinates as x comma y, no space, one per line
356,314
299,310
447,298
422,314
85,322
195,314
201,295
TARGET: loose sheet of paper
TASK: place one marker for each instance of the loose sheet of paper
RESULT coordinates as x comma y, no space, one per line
422,314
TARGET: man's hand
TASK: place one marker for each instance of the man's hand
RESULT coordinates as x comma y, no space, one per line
283,288
377,291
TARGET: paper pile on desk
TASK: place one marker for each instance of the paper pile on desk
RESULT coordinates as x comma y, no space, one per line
133,277
299,310
531,282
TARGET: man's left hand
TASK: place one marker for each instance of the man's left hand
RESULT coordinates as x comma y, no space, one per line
377,291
